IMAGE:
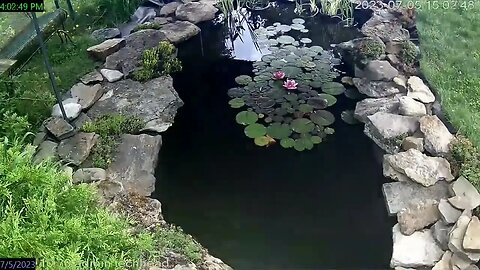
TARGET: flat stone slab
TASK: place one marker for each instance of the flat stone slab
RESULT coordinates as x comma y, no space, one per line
76,149
59,128
457,236
47,150
371,106
466,195
418,90
155,101
169,9
111,75
105,33
410,107
376,89
87,95
196,12
106,48
379,70
89,175
398,194
135,162
448,213
417,215
180,31
471,241
92,78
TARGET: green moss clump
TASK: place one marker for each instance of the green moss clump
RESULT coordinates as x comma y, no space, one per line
466,158
158,61
370,49
173,238
109,128
149,25
408,53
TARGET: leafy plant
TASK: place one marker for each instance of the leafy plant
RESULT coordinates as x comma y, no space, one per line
109,128
158,61
408,52
13,125
370,49
466,159
338,8
172,238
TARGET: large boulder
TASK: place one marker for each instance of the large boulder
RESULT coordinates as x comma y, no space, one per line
418,90
135,162
386,26
410,107
417,215
155,101
399,194
169,9
195,12
466,195
130,56
387,129
379,70
371,106
376,89
87,95
416,250
180,31
106,48
76,149
415,166
437,136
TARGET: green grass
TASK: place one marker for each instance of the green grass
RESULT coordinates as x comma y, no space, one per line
61,225
450,47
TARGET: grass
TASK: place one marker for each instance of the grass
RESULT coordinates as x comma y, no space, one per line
62,226
450,47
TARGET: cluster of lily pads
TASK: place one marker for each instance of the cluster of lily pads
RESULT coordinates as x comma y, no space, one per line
287,98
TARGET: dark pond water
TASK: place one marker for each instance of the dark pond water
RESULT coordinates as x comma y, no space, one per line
269,208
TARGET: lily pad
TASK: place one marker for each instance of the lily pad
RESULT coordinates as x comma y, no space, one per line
279,131
348,117
285,39
333,88
331,100
291,97
302,125
318,103
306,40
283,28
246,118
305,108
287,143
304,30
329,131
236,92
236,103
316,139
353,93
297,26
243,79
292,72
263,140
298,21
316,49
322,118
255,130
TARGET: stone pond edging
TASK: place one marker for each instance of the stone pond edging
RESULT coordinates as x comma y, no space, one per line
435,229
127,183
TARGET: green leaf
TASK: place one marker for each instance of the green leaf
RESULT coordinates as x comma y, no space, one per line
236,103
246,118
279,131
287,143
255,130
322,118
302,125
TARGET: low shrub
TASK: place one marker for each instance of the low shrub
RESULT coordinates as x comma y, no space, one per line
408,53
370,49
158,61
109,128
173,238
466,157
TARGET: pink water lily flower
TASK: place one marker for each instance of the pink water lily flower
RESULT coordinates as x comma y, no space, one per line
278,75
290,84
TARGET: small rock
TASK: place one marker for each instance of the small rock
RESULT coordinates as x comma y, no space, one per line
416,250
417,215
437,136
371,106
471,241
108,189
393,59
47,150
444,263
466,195
448,213
106,48
398,194
419,91
411,142
87,95
401,81
59,128
39,138
169,9
77,148
196,12
144,211
379,70
92,78
88,175
180,31
386,129
376,89
101,35
72,110
347,80
440,232
111,75
410,107
417,167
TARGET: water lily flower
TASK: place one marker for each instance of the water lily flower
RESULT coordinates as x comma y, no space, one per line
278,75
290,84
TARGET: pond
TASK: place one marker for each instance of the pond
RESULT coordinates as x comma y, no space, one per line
269,207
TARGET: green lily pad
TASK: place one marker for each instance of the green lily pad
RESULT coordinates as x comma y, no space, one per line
318,103
243,79
329,131
255,130
348,117
262,141
236,103
316,139
292,72
297,26
285,39
316,84
246,118
298,21
322,118
333,88
331,100
302,144
316,49
305,108
304,30
305,40
283,28
302,125
353,93
287,143
279,131
291,96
